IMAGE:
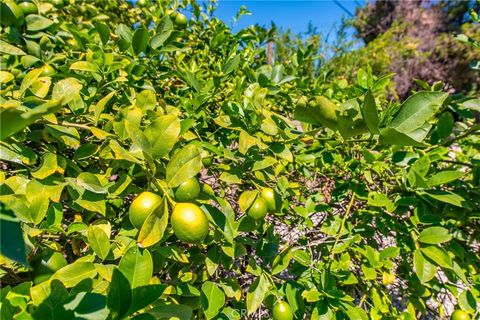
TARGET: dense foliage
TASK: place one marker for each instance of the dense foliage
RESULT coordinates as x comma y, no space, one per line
155,166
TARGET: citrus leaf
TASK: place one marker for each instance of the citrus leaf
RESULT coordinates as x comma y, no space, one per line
212,299
154,226
137,266
184,164
434,235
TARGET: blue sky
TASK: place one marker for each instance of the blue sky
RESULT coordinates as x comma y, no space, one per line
324,14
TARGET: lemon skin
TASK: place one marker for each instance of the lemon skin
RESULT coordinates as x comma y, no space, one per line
143,205
259,209
189,223
282,311
188,190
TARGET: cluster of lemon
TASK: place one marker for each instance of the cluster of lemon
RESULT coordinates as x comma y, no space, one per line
190,224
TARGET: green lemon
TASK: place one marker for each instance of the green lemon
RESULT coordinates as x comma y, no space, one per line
47,70
11,14
327,112
460,315
258,209
282,311
28,8
45,264
181,20
142,3
142,206
188,191
272,198
189,223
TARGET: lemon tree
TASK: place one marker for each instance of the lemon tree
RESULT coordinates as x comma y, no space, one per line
155,164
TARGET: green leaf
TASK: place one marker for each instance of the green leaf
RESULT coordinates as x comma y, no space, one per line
212,299
154,226
245,142
30,78
69,136
140,40
423,268
9,49
172,311
119,295
438,256
434,235
103,31
263,164
444,177
356,313
163,133
231,65
184,164
417,110
145,295
447,197
137,266
37,23
391,136
100,106
12,245
164,30
87,305
74,273
90,182
99,241
65,90
370,113
281,261
84,66
256,293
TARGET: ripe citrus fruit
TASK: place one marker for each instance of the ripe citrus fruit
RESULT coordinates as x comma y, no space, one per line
45,264
272,199
142,206
460,315
11,14
180,20
47,70
189,223
282,311
188,191
28,8
258,209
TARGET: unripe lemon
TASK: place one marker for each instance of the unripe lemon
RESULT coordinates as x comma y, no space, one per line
189,223
272,199
45,264
181,20
188,190
327,112
460,315
142,207
28,8
258,209
282,311
47,70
